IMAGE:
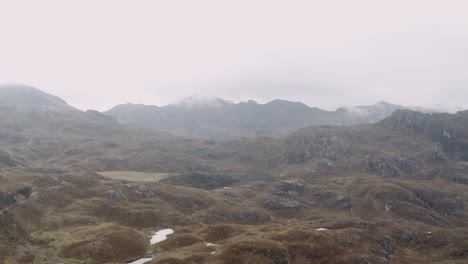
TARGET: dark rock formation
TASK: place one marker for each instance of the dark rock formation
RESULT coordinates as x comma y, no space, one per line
321,194
201,180
114,195
410,236
72,152
388,244
8,199
25,191
409,164
289,188
414,121
461,180
279,203
380,165
340,200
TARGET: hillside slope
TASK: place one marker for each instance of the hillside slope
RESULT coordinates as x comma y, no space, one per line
391,192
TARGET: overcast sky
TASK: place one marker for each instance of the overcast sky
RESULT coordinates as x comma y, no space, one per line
96,54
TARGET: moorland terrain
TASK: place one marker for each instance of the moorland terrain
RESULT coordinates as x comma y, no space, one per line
80,187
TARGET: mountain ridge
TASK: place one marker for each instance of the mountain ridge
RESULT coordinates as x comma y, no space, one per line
220,119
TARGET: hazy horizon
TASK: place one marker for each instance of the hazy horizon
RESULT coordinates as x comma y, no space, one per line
96,55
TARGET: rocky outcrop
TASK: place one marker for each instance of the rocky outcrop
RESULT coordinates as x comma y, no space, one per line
280,203
409,164
411,236
141,189
25,191
341,200
289,188
72,152
412,120
438,154
388,244
323,146
413,166
114,195
439,201
8,200
380,165
461,180
321,193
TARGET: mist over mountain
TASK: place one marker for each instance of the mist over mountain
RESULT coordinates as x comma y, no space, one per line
257,132
220,119
27,97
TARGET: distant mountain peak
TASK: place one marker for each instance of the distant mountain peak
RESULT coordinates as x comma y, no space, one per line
28,97
383,103
200,101
220,119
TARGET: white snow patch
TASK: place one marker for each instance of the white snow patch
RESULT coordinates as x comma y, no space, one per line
141,261
429,232
227,188
211,245
321,229
214,252
161,236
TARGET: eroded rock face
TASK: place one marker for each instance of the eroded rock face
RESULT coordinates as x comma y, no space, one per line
438,153
380,165
441,133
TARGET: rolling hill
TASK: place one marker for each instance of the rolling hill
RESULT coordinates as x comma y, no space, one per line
394,191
